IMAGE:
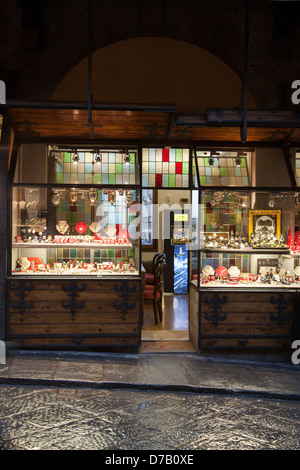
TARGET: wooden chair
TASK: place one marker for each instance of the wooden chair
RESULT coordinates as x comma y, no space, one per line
149,277
155,292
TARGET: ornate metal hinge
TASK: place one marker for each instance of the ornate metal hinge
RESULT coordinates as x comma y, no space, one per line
125,292
215,303
77,342
73,289
22,288
282,304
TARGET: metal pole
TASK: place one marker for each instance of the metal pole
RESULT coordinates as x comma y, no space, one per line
244,127
90,61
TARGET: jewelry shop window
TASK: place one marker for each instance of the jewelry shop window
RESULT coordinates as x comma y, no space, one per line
73,224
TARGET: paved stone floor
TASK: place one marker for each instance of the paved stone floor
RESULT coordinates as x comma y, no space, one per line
58,418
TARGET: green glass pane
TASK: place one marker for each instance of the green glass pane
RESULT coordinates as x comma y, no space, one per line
185,168
178,152
67,157
119,168
172,181
97,179
202,179
178,155
132,157
59,177
224,171
111,179
243,162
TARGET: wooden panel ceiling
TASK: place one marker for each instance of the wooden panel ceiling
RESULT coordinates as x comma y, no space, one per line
138,125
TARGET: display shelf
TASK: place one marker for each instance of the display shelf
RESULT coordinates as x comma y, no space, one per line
76,274
245,287
250,251
119,246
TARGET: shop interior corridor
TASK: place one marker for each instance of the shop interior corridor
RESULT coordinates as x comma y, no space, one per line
172,333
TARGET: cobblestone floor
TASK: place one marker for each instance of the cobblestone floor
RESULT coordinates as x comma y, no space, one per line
84,419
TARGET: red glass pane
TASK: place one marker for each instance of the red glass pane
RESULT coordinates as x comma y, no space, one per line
165,155
158,180
178,168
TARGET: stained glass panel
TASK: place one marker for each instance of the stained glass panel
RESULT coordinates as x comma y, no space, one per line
165,168
223,168
112,169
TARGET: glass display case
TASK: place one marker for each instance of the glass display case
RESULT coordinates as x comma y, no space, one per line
70,223
248,239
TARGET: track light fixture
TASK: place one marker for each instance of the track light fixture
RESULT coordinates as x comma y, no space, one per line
127,158
75,158
98,158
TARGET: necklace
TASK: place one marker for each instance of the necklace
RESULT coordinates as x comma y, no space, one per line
62,226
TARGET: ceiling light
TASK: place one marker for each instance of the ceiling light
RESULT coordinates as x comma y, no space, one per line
238,161
211,161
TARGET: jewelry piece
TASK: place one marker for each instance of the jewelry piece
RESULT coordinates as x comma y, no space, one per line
95,227
234,271
92,195
81,227
62,226
221,271
55,199
112,197
73,195
110,230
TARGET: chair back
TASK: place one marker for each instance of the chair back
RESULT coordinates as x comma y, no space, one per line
159,275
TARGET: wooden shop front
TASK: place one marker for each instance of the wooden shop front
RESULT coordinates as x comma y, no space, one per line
71,252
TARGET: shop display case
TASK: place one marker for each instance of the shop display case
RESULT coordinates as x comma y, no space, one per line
244,292
248,240
74,231
74,275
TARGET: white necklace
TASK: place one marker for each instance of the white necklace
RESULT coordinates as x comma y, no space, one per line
62,226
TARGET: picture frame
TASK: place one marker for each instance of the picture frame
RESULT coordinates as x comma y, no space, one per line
266,221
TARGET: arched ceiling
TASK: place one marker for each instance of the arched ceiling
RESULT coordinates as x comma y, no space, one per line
155,70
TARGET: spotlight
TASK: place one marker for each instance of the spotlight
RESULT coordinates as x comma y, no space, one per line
75,158
238,161
98,158
127,158
211,161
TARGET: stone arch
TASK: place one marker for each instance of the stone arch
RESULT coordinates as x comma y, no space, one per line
65,34
155,70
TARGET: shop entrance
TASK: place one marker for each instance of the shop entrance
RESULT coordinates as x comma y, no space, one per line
172,332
